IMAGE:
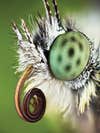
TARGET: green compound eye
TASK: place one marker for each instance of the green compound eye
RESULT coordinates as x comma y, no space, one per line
69,55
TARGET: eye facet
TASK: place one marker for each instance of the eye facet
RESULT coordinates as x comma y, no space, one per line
69,55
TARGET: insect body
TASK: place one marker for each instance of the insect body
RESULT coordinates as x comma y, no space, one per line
56,61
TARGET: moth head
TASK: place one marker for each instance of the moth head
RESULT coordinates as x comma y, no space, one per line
54,57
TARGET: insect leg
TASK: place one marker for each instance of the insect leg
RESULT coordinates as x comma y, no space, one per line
15,29
56,12
48,10
26,31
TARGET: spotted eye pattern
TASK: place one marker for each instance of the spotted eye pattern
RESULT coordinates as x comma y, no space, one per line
69,55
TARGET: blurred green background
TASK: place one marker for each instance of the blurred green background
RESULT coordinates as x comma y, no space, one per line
14,10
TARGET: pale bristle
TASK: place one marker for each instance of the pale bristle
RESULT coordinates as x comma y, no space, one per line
85,98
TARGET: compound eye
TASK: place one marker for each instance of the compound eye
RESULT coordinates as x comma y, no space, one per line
69,55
